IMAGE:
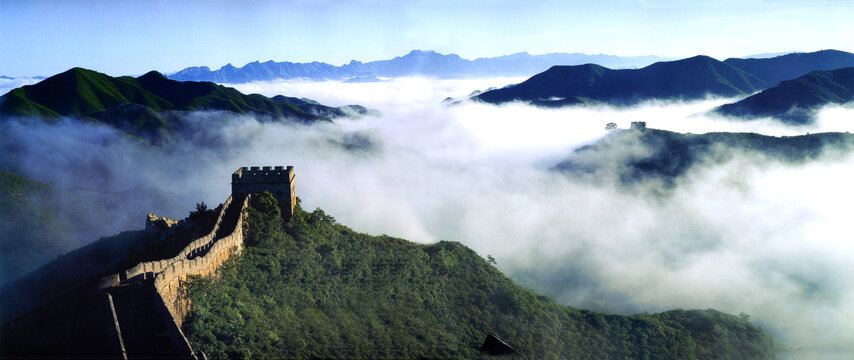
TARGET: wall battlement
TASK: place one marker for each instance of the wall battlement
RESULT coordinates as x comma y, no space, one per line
638,125
278,180
262,175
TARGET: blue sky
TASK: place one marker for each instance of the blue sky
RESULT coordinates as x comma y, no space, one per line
132,37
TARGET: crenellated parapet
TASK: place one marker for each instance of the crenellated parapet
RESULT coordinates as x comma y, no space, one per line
168,280
149,269
638,125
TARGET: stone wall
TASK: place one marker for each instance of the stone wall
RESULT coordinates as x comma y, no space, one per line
201,257
148,269
168,281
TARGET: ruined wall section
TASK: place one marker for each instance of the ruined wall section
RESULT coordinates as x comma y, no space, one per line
148,269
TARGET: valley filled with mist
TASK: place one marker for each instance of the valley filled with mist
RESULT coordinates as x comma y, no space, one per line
737,229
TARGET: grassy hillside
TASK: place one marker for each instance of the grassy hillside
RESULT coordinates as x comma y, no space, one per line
690,78
795,101
141,105
313,288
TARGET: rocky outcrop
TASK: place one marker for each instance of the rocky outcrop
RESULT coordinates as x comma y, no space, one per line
160,224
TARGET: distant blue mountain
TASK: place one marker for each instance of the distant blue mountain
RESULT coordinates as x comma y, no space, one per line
417,62
690,78
768,55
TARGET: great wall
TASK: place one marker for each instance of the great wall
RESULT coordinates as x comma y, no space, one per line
145,301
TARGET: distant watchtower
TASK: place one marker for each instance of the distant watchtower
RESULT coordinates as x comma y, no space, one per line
277,180
638,125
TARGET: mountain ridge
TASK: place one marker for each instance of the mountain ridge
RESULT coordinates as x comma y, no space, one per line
773,70
142,105
689,78
685,79
416,62
796,101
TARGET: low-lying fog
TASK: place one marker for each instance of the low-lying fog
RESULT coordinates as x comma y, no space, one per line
750,235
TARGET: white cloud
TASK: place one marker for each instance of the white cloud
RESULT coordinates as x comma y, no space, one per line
9,84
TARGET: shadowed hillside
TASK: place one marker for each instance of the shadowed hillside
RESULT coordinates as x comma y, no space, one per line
796,101
41,222
786,67
686,79
635,156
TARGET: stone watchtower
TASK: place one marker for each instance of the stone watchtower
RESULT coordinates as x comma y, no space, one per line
639,125
277,180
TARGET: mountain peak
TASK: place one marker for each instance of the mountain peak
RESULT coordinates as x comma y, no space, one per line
75,71
420,52
702,57
153,74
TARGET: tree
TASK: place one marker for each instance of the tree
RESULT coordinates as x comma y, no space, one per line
611,126
200,213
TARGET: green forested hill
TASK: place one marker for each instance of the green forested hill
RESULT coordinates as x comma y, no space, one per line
141,105
313,288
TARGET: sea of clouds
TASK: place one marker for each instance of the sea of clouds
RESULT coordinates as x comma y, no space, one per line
767,238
